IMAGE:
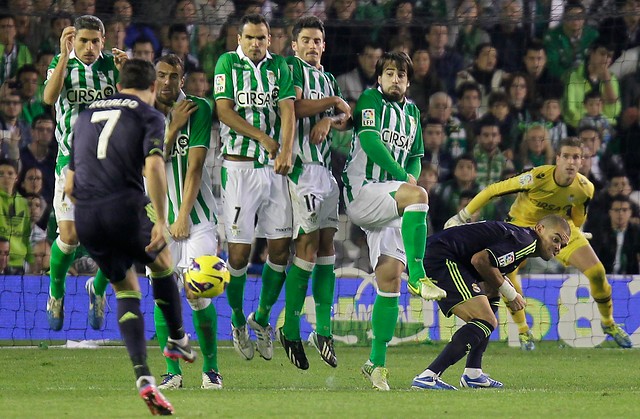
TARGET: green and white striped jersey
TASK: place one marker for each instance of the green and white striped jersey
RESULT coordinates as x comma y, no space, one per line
399,130
83,84
314,84
255,91
196,133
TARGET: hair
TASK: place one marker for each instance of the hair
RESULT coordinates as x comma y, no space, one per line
569,142
401,59
60,15
3,239
438,95
468,194
487,121
465,157
178,28
554,220
496,97
594,94
619,198
142,39
466,87
42,53
43,117
27,68
573,5
534,45
482,46
7,162
137,74
437,23
196,70
4,16
601,43
433,121
255,19
548,148
588,128
89,22
173,60
307,22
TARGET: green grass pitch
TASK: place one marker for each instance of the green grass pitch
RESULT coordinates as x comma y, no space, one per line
551,382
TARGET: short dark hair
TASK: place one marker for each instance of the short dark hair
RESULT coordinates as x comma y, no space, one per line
137,74
534,45
594,94
7,162
60,15
619,198
4,16
3,239
27,68
432,121
572,4
401,59
43,117
307,22
465,157
487,120
142,39
466,87
178,28
569,142
480,47
255,19
588,128
173,60
496,97
89,22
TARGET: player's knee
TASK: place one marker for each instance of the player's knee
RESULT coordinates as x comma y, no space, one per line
419,195
237,261
198,304
597,275
279,256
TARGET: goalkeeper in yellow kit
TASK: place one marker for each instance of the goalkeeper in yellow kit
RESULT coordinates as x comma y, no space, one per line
561,190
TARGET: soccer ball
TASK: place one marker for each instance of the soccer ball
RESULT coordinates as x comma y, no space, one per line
207,276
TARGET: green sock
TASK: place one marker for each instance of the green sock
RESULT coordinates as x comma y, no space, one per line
414,237
100,282
296,285
272,282
383,324
235,296
205,322
323,284
60,263
162,332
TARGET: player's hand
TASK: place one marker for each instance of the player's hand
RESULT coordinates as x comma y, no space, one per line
181,113
340,122
271,145
320,131
283,163
517,303
158,238
66,40
180,230
119,57
342,107
459,219
411,180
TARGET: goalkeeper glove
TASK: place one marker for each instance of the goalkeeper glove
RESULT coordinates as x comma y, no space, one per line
463,217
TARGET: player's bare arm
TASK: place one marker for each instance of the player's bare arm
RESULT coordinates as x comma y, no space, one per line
481,261
55,81
310,107
283,159
157,191
230,117
180,229
180,115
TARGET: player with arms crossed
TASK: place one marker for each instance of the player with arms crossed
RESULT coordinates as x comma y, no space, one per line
383,199
254,97
469,262
314,193
191,211
80,74
560,190
115,139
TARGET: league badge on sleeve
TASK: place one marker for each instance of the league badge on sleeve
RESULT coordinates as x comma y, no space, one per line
506,260
219,83
368,118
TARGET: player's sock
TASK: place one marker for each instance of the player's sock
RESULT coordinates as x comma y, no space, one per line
383,323
520,319
100,282
468,336
323,282
296,284
131,323
62,256
272,281
601,292
167,298
235,295
414,237
162,333
205,321
474,358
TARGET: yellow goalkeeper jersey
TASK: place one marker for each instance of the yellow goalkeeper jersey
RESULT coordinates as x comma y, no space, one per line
539,195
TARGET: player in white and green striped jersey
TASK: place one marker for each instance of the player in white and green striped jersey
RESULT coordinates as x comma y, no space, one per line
383,198
314,193
78,76
254,97
191,211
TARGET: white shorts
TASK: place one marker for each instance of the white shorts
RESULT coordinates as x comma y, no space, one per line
62,205
249,191
385,241
202,241
314,200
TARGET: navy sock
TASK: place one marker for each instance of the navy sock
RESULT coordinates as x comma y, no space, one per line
474,359
468,336
131,325
167,298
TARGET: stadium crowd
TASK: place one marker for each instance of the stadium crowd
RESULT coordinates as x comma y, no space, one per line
498,84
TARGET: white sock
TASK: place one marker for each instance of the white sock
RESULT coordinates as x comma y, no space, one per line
473,372
183,341
427,373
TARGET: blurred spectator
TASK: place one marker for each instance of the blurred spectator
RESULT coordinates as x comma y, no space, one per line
490,162
401,26
604,165
27,85
508,36
599,206
535,149
215,14
196,83
551,117
43,60
484,71
37,208
16,132
84,7
14,54
617,241
434,151
280,40
41,154
51,41
567,45
356,81
41,258
594,118
114,35
517,88
179,45
446,61
586,169
428,178
469,99
623,30
433,9
594,74
143,49
4,255
227,41
440,108
543,85
15,220
467,34
425,81
499,109
28,23
122,10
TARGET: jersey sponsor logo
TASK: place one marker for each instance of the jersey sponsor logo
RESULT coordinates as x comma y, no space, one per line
219,83
506,260
525,179
550,207
180,146
87,95
540,176
368,118
396,139
258,99
315,95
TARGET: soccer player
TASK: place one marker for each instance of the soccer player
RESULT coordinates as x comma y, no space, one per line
115,140
554,189
314,193
469,263
383,199
254,97
192,207
80,74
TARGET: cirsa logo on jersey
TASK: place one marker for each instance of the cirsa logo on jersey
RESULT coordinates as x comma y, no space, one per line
88,95
180,146
396,139
252,98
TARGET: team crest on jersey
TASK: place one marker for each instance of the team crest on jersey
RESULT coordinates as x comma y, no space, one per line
525,179
219,83
506,260
271,77
368,118
475,288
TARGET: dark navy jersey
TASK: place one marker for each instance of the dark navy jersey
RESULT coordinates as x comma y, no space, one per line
111,140
508,245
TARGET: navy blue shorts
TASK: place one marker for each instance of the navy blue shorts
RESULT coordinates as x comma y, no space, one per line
115,231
